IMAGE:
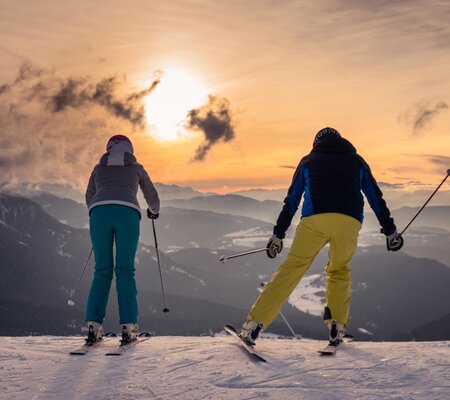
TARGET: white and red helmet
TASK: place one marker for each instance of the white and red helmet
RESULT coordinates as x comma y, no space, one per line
118,139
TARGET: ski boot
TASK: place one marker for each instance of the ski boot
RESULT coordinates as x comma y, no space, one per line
336,332
95,332
129,333
250,331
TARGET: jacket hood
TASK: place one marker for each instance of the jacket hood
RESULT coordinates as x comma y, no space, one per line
334,144
120,154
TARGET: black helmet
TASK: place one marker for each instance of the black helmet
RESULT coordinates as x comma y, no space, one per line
324,133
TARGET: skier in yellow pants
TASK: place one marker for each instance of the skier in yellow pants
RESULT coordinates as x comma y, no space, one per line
330,179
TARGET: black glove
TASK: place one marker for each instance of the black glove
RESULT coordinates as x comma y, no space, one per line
274,246
394,241
152,215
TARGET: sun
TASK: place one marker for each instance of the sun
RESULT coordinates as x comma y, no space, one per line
166,107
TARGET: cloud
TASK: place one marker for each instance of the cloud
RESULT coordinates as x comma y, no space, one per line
421,116
57,94
4,88
441,163
214,121
437,159
26,72
288,166
53,129
22,158
386,185
76,93
68,95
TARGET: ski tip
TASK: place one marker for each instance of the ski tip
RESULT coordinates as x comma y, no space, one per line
326,353
230,328
328,350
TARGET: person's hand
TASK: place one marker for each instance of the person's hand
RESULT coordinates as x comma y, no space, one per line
394,241
152,215
274,246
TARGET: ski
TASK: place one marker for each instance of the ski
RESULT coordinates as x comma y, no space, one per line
250,350
328,350
348,338
83,350
122,348
331,349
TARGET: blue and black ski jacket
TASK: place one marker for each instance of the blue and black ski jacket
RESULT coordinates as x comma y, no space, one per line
331,179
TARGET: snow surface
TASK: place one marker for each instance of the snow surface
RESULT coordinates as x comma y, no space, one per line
307,297
215,368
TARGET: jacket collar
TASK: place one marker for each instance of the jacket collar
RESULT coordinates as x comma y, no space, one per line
119,154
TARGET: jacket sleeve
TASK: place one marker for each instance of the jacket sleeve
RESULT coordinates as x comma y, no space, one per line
91,188
149,191
291,203
374,196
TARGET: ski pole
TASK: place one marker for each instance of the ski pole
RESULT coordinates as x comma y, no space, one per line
166,310
421,208
284,318
288,324
71,302
223,258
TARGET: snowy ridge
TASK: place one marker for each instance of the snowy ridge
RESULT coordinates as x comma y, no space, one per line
309,295
215,368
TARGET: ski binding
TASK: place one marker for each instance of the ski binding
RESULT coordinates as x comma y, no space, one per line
250,350
122,348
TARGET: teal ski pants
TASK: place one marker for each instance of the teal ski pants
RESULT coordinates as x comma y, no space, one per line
114,224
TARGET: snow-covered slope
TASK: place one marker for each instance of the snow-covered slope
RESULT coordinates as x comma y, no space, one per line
215,368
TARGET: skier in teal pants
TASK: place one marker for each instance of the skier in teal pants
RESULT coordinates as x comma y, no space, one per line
114,218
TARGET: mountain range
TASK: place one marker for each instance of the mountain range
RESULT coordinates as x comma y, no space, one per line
395,295
232,221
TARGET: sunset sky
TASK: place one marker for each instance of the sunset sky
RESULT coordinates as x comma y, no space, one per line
270,74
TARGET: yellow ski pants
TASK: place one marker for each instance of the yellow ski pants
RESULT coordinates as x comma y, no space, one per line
313,233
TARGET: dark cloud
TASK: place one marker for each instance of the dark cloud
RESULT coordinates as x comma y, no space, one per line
76,93
22,158
288,166
214,121
45,140
139,95
28,71
69,94
386,185
421,116
57,94
4,88
441,163
438,160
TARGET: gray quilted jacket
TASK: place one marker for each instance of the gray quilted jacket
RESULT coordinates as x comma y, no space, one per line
116,178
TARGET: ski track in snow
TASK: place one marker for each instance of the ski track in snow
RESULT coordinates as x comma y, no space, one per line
215,368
